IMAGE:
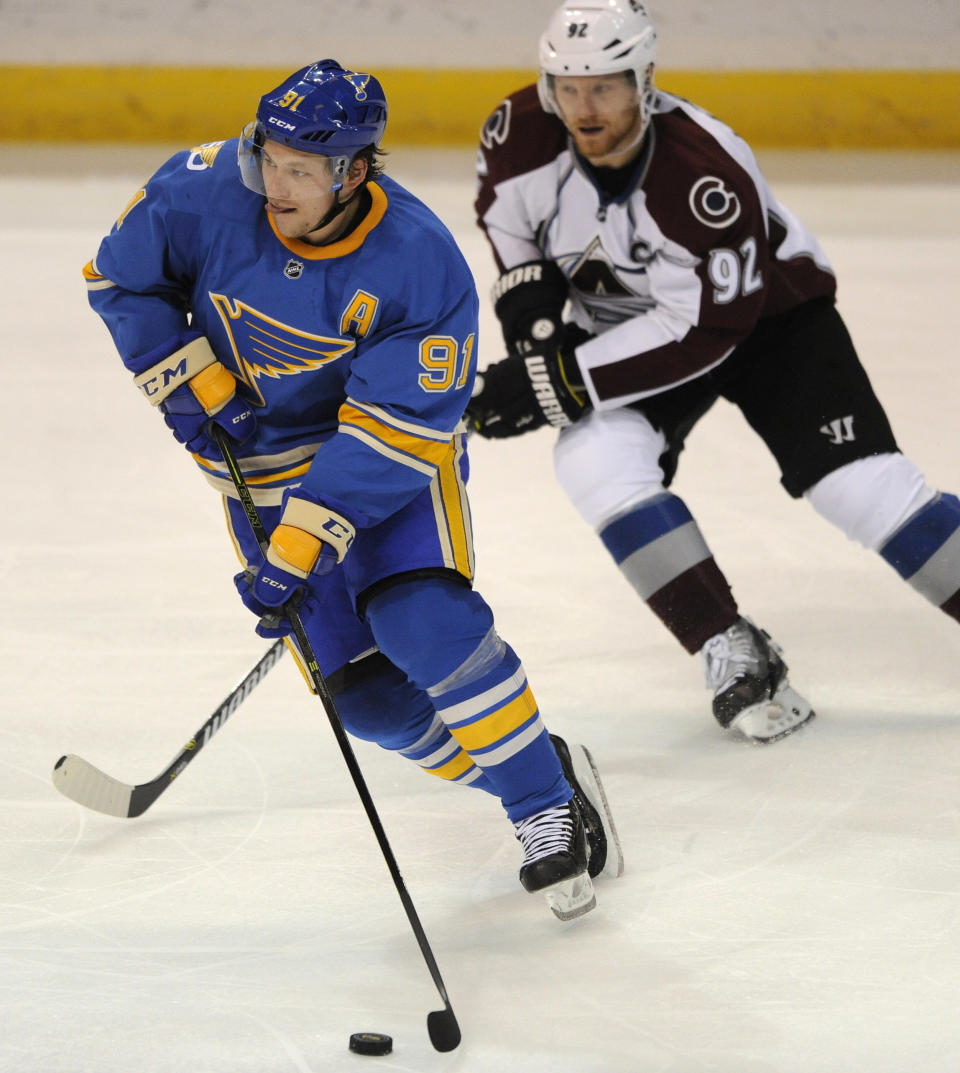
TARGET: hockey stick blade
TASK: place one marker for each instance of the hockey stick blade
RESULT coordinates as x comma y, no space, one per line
80,781
93,788
443,1029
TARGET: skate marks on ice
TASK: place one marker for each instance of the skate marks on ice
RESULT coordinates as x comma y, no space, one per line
791,909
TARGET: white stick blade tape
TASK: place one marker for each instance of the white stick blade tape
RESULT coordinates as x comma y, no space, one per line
79,780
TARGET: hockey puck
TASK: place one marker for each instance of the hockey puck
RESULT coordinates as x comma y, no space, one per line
371,1043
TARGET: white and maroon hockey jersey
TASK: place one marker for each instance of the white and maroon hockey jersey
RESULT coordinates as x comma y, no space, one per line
671,273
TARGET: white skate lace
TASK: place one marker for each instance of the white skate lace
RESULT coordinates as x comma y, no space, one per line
728,656
550,831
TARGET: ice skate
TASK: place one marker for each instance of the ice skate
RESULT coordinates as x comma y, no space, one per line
555,860
603,845
751,694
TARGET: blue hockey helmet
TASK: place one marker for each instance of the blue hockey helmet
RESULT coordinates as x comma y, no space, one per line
323,109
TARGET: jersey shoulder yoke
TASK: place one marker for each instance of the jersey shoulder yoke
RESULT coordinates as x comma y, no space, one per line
520,136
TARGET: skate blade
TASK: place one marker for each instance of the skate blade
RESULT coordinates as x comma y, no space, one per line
571,898
587,775
773,719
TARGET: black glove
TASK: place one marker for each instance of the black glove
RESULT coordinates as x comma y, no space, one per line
526,391
528,301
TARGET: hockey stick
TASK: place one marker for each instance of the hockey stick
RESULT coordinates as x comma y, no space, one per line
79,780
442,1026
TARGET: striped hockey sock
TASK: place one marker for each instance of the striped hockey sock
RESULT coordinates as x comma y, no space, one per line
925,552
661,552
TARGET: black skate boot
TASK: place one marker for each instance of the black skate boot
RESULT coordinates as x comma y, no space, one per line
745,669
603,844
555,860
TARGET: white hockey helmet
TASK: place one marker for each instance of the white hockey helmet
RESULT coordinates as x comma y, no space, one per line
599,37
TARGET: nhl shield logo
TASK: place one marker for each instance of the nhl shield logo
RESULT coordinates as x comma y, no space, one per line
293,269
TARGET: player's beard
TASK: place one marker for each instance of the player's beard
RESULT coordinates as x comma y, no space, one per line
614,138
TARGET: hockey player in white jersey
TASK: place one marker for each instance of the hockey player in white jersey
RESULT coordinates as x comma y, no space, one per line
280,286
646,270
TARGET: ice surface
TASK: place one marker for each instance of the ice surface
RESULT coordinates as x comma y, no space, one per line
790,909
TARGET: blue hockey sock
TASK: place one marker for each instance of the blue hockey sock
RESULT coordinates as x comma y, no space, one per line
387,708
441,635
490,710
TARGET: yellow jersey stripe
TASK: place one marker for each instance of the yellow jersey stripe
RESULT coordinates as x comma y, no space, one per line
456,515
285,475
94,281
395,422
381,449
415,445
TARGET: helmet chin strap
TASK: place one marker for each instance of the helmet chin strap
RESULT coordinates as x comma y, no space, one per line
335,209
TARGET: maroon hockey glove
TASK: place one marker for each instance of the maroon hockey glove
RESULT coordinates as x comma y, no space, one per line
526,391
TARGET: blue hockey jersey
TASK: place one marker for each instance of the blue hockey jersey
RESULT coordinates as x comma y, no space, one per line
366,346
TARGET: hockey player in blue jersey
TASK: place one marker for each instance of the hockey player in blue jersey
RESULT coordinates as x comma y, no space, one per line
282,287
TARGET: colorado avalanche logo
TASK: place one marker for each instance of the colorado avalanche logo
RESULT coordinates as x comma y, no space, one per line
713,204
610,288
497,127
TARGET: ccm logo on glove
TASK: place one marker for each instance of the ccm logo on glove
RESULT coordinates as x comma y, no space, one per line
179,367
190,387
163,381
264,580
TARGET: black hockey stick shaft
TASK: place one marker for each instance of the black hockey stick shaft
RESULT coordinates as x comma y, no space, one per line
79,780
442,1026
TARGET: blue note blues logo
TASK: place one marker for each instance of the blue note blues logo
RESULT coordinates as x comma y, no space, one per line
265,347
